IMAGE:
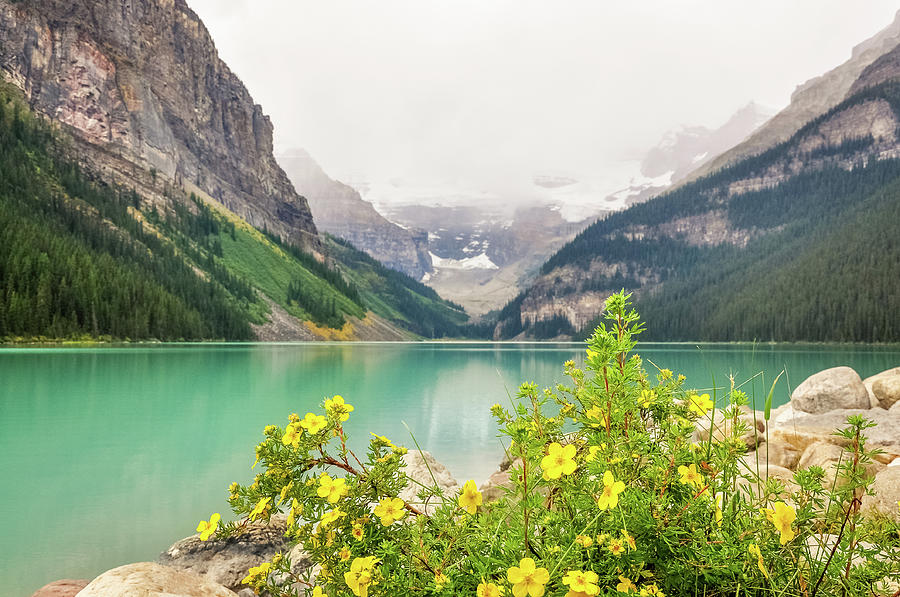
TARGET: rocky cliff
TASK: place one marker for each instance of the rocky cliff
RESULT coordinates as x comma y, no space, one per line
339,210
140,85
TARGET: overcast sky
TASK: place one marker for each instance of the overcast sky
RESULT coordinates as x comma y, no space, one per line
475,92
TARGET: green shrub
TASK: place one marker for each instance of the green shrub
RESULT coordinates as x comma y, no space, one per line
610,497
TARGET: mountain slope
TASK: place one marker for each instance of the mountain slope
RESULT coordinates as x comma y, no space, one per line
339,210
705,258
811,99
142,90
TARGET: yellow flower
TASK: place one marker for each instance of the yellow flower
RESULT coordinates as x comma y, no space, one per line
292,435
208,528
594,413
782,517
527,579
584,540
330,517
629,540
690,476
260,508
470,498
651,591
753,548
344,553
285,490
358,532
559,461
332,489
592,453
440,579
339,409
665,373
582,582
625,586
314,423
616,546
359,577
601,538
390,510
296,508
318,592
699,404
294,417
257,574
488,590
233,489
647,398
611,490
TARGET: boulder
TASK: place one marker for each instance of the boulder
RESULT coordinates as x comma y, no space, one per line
887,494
61,588
835,388
149,579
827,455
870,381
226,561
895,410
820,547
423,469
775,453
887,390
750,482
721,427
498,483
801,431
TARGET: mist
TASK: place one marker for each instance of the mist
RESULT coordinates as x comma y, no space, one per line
484,95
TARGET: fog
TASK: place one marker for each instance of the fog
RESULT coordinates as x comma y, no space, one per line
485,94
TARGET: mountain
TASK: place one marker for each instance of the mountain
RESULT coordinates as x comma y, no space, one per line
141,87
794,243
140,198
482,255
811,99
339,210
683,150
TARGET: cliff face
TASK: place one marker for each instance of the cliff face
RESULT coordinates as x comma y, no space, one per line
141,86
341,211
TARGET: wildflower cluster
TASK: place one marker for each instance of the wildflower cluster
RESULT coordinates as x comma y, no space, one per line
608,495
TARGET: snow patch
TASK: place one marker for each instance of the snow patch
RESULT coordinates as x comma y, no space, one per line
481,261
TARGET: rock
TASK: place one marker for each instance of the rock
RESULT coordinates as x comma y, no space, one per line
750,483
870,381
820,547
887,493
838,387
420,466
149,579
497,484
226,561
779,454
887,391
722,427
802,431
895,410
827,455
61,588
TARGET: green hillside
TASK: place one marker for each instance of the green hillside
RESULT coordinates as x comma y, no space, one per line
80,259
397,297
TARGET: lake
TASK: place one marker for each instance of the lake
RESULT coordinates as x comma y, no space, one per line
111,454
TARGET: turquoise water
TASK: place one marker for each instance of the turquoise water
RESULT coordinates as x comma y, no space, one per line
111,454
